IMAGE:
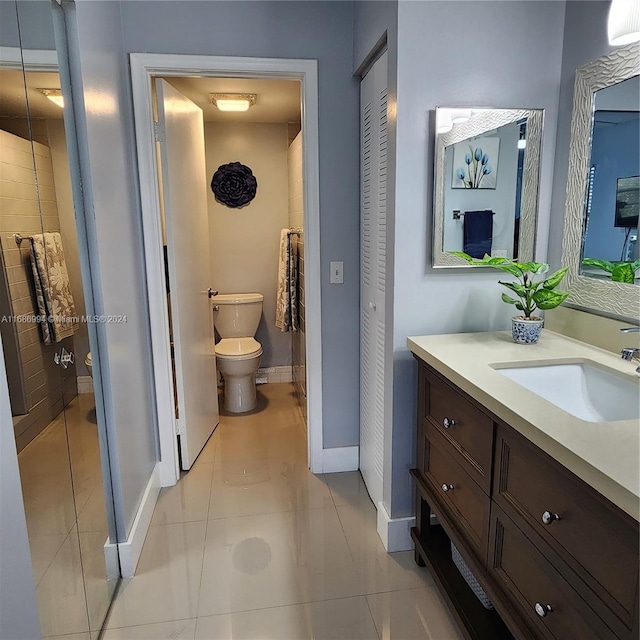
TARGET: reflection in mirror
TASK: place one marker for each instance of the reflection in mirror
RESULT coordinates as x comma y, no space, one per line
600,87
613,187
486,182
59,438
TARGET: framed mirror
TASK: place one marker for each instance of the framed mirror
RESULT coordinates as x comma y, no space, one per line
487,165
601,215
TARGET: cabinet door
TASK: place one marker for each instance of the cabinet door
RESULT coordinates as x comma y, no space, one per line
374,345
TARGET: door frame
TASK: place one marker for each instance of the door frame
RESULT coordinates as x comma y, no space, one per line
145,66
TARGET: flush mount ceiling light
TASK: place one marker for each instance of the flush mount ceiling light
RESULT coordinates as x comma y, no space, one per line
623,25
55,95
233,101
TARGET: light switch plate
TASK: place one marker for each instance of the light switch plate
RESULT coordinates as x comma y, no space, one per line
337,272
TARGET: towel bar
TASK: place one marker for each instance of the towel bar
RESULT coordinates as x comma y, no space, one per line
19,238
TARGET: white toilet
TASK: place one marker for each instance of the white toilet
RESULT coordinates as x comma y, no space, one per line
236,317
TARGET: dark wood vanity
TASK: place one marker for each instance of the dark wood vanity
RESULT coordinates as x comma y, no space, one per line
557,559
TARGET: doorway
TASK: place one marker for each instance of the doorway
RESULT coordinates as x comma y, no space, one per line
145,68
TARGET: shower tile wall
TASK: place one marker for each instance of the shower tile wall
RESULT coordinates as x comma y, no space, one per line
296,221
46,387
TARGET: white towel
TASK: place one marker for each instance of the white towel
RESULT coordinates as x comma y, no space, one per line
286,295
53,291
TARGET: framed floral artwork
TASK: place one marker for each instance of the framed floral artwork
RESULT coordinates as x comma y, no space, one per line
475,163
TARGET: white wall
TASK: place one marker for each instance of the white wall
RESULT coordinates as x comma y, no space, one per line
245,242
514,61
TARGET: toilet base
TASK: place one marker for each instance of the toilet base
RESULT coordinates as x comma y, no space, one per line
240,393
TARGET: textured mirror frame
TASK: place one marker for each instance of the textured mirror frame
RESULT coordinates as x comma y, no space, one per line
479,124
604,296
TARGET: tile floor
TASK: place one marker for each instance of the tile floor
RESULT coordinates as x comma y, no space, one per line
249,545
67,524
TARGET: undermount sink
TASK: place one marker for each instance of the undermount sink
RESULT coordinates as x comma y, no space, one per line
583,389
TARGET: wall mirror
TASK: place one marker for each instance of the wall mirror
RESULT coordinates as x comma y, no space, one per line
603,189
487,163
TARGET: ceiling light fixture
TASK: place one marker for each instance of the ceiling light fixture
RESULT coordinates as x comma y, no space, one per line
55,95
623,25
233,101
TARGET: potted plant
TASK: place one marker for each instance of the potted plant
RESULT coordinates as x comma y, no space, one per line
530,294
620,271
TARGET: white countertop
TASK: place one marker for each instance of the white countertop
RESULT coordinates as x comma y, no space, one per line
606,455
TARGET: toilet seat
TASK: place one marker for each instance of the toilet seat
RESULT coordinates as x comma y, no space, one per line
238,349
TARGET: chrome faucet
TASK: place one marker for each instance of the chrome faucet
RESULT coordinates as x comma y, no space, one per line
628,353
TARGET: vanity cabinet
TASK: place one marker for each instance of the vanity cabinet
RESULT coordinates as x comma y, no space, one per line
557,559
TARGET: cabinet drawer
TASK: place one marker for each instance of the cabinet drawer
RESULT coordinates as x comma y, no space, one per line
465,426
596,539
534,584
466,502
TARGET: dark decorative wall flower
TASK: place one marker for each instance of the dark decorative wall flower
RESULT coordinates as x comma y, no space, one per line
234,185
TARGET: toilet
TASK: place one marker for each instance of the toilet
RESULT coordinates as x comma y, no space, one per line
236,317
87,363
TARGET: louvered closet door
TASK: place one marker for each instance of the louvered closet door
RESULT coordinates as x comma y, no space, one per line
373,253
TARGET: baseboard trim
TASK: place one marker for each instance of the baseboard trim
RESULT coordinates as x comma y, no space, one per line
267,375
130,550
111,560
340,459
395,533
85,384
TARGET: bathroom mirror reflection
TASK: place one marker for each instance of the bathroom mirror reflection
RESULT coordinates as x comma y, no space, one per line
602,173
613,189
487,164
58,435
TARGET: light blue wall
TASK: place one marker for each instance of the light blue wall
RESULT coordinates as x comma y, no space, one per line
615,152
320,30
585,39
493,54
99,74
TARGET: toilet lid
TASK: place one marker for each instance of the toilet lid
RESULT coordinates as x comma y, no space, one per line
237,347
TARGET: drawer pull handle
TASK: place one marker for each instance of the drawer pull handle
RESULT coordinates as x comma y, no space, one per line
548,517
543,609
448,423
447,487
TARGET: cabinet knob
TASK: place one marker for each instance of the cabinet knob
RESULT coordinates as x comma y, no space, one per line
447,487
543,609
548,517
448,422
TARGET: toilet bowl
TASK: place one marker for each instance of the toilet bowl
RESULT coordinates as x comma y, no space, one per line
238,360
87,363
236,318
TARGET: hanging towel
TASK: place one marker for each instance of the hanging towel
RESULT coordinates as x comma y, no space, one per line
478,233
56,311
286,295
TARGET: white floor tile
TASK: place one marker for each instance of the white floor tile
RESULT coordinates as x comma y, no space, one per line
175,630
343,619
167,579
415,614
274,560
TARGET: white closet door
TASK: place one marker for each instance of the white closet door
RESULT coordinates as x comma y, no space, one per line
373,254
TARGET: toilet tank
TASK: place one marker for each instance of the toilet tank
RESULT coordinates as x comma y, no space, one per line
237,315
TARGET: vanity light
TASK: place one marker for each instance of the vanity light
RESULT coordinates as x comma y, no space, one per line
233,101
55,95
623,26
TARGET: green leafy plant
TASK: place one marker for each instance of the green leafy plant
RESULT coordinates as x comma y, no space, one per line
620,271
531,294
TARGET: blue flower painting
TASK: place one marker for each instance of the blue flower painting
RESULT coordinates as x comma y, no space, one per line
475,164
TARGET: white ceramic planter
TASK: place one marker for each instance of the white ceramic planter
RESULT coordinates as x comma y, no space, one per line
526,331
